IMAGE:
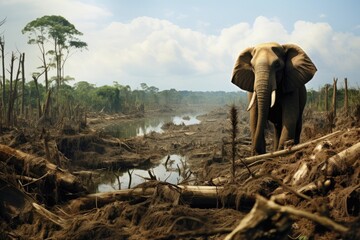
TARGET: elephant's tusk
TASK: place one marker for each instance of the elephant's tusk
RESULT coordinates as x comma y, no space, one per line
273,98
252,101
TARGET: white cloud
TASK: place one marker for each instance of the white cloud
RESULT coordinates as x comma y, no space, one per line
85,14
69,7
165,55
148,48
335,50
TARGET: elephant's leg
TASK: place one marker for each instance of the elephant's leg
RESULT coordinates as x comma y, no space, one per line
298,130
302,102
290,116
277,133
275,116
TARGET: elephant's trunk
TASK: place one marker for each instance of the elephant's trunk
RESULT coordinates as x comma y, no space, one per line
264,81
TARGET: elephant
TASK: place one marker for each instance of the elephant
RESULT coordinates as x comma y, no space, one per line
274,76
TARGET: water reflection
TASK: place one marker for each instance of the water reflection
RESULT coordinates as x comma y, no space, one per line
186,120
169,174
143,126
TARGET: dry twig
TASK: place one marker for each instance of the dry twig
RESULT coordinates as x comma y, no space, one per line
264,209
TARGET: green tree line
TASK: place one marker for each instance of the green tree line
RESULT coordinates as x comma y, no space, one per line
118,98
317,99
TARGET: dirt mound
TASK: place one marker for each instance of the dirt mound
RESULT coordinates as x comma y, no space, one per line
92,151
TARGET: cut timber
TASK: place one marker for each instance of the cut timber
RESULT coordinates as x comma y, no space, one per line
200,196
189,133
249,227
343,160
286,151
37,167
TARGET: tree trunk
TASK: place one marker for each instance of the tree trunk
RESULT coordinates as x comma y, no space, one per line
342,161
334,97
9,110
23,85
47,105
45,69
346,104
15,93
327,98
38,96
2,45
196,196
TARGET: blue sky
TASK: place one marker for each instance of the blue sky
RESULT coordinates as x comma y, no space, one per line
191,45
341,15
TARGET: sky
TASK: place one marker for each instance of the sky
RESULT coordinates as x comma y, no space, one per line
190,44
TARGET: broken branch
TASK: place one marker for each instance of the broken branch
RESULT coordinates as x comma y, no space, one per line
285,151
264,209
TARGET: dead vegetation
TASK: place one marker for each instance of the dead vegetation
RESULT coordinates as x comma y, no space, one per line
308,191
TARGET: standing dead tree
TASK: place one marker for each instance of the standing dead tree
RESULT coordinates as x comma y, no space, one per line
23,85
331,114
35,78
11,71
334,96
327,97
346,100
13,88
2,46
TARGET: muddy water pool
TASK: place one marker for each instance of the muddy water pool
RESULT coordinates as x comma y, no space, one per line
172,172
144,126
171,169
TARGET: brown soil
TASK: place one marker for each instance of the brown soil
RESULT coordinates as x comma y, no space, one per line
84,150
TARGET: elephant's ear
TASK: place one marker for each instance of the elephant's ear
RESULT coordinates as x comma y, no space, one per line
243,75
299,69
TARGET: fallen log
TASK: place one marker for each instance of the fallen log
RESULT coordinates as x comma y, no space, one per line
195,196
286,151
64,184
250,226
337,164
340,162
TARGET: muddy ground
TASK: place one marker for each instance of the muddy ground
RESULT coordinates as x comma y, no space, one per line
67,211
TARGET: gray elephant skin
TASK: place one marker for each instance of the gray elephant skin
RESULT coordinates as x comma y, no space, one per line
274,76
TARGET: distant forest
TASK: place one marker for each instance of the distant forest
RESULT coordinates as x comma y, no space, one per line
118,98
